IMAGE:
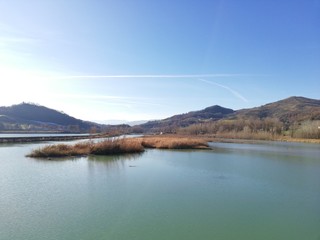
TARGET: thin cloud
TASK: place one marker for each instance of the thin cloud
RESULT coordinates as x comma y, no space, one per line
235,93
155,76
114,100
87,96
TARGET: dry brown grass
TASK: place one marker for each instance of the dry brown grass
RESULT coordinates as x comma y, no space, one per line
118,146
174,142
301,140
106,147
262,135
61,150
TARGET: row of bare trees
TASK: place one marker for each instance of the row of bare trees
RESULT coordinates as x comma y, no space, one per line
267,128
306,129
253,125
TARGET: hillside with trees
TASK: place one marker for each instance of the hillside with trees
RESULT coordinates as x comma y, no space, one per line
296,117
33,117
171,124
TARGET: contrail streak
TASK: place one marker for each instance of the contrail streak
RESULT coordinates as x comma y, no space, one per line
154,76
235,93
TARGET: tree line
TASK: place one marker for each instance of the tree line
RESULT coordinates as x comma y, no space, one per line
253,128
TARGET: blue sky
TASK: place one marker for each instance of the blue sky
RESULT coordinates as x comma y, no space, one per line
148,59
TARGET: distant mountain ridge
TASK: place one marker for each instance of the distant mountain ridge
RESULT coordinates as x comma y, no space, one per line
117,122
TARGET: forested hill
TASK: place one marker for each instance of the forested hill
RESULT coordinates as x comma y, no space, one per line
295,117
33,117
288,111
295,114
170,124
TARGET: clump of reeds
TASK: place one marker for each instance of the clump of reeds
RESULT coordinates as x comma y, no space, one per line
61,150
174,143
106,147
118,146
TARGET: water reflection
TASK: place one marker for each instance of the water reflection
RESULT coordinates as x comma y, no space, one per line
274,150
113,161
56,159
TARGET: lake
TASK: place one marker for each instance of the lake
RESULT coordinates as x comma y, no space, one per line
259,191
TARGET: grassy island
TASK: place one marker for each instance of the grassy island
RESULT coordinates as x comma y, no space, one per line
118,146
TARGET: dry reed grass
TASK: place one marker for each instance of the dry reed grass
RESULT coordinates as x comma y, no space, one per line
118,146
176,142
61,150
106,147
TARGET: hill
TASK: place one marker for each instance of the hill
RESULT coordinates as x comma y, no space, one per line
296,117
288,111
32,117
171,124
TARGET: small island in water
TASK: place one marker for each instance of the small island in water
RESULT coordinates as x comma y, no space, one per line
112,146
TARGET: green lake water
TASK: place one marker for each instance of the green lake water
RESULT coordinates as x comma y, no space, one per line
235,191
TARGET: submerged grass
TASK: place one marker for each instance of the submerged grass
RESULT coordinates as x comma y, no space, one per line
118,146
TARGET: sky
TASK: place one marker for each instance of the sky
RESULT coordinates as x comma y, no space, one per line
147,59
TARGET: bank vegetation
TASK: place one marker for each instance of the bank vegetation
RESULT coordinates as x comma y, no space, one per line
259,129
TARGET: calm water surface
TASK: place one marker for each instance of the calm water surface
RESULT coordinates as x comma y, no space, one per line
235,191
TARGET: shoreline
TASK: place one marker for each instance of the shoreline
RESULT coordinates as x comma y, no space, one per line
210,138
252,141
168,136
